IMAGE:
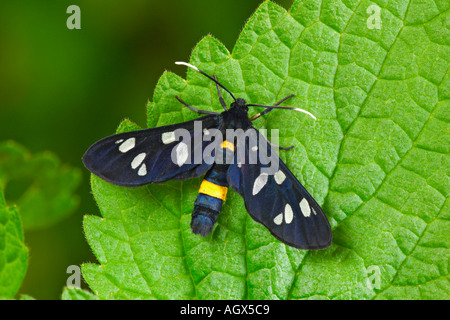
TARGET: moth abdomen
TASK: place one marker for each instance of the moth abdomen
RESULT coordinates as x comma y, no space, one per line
208,204
203,218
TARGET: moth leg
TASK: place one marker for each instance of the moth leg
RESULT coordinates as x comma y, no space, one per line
194,109
256,116
281,148
222,101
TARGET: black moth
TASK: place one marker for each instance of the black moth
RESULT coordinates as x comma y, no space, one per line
275,199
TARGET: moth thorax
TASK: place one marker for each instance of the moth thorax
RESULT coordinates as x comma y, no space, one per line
225,153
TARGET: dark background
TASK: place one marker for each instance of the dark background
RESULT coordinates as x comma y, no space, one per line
61,90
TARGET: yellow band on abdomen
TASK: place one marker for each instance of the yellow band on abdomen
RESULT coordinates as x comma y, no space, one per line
213,190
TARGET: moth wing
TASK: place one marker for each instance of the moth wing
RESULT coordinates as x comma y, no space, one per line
276,199
152,155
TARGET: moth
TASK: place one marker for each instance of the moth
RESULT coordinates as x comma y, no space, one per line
272,194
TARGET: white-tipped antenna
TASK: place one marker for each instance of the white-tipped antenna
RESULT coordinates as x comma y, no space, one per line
278,107
288,108
206,75
306,112
181,63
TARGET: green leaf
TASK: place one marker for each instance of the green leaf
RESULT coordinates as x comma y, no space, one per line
38,184
377,160
74,293
13,252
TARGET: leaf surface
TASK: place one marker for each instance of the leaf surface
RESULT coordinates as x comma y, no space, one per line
74,293
13,252
38,184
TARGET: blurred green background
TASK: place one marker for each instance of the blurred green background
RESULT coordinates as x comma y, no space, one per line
61,90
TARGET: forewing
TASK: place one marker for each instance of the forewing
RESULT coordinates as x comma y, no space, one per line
274,197
145,156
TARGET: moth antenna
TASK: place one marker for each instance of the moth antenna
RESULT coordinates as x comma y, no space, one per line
278,107
181,63
206,75
305,112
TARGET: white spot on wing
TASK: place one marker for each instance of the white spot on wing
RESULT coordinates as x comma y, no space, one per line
119,141
168,137
142,170
182,153
278,219
206,132
127,145
279,177
255,148
138,160
288,214
305,208
260,182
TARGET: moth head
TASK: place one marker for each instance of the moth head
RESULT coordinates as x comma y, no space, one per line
239,104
